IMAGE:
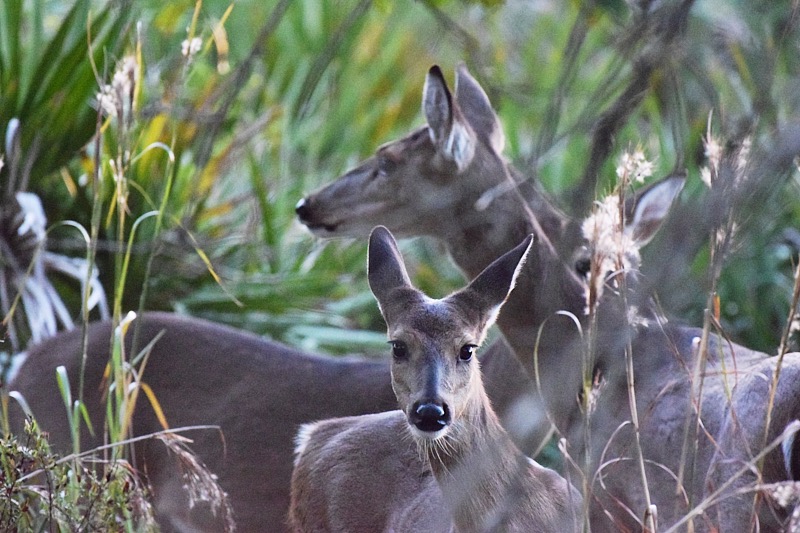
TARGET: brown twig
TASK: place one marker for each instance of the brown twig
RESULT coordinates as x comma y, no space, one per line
656,32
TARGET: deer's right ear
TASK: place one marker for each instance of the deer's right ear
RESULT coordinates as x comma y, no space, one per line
385,267
450,133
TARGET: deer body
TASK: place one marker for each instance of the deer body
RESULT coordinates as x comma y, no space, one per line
258,392
478,479
421,185
372,458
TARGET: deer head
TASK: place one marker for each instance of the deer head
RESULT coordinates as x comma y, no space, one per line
434,375
419,183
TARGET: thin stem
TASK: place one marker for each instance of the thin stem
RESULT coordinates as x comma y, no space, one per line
698,377
650,515
782,349
588,365
650,512
712,498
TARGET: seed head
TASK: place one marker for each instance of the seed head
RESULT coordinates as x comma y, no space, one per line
713,152
634,166
116,98
190,47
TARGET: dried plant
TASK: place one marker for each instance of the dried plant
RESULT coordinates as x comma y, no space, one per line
200,484
41,491
615,255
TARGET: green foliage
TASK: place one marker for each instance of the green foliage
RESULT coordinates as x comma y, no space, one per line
47,82
41,492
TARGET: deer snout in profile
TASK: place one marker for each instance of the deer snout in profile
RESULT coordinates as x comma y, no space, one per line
302,210
306,214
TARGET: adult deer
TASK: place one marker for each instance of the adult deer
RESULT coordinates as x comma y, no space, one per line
472,478
436,182
258,393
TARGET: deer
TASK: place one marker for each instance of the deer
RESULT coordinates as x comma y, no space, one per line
448,180
257,392
203,373
468,475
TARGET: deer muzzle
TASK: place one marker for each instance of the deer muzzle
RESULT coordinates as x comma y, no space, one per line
310,217
430,416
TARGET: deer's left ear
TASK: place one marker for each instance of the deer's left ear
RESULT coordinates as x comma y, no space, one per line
452,135
651,206
385,268
489,290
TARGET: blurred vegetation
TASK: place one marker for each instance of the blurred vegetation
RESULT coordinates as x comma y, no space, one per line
187,193
285,96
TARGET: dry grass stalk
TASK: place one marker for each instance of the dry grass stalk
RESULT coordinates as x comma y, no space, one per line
615,254
200,484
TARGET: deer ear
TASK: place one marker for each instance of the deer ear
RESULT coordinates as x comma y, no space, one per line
450,133
489,291
477,109
651,207
385,267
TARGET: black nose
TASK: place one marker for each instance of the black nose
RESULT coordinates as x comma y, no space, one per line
430,416
302,209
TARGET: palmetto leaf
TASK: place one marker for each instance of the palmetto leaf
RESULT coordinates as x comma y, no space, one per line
50,89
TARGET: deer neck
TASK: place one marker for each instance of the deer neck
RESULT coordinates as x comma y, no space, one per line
478,467
545,286
497,214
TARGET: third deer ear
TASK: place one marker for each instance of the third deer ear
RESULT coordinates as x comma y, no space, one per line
477,110
651,206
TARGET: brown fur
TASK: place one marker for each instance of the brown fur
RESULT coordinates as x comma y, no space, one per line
480,481
258,392
450,204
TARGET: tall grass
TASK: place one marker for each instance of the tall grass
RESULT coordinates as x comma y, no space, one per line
116,152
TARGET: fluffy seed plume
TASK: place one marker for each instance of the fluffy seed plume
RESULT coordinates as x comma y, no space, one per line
634,166
743,156
116,98
189,47
605,230
613,249
713,151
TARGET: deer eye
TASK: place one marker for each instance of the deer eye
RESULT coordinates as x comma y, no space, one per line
385,165
399,349
466,352
583,266
583,262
